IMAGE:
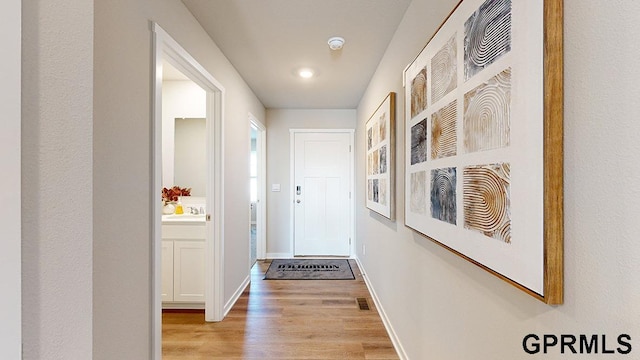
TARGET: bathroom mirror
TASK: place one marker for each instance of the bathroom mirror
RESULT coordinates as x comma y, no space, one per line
190,160
183,133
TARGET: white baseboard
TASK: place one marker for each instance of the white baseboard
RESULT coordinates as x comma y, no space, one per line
236,296
279,256
383,315
183,305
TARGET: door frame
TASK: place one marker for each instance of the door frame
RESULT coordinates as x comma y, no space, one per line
165,48
292,192
261,214
10,147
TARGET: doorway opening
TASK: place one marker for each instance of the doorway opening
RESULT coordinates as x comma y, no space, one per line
257,181
168,52
184,174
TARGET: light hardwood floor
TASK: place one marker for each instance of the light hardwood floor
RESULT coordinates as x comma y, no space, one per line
284,319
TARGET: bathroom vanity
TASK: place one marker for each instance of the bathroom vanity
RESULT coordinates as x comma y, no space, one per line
183,264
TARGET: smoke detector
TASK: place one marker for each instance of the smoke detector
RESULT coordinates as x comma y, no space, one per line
336,43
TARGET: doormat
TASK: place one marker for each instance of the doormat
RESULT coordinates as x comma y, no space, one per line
309,269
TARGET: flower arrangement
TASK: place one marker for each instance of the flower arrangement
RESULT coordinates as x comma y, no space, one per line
169,195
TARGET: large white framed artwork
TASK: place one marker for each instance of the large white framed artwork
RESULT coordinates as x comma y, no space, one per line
380,161
483,140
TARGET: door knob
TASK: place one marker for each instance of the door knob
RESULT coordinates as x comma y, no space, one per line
298,201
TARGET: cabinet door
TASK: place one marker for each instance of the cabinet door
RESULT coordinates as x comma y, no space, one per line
167,271
188,272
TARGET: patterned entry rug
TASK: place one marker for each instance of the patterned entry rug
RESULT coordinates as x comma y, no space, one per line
309,269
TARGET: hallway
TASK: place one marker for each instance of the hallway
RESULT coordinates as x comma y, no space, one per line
284,319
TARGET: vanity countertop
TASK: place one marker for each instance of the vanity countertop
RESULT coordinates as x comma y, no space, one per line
183,219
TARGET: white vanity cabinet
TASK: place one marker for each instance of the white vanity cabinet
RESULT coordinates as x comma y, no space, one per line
167,270
183,266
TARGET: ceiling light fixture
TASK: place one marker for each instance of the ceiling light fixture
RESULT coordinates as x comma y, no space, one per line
305,73
335,43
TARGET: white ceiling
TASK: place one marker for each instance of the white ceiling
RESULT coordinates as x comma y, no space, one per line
269,40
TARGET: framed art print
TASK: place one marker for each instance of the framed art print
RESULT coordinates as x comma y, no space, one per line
483,141
380,161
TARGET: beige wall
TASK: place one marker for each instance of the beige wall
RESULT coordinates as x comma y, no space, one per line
57,169
86,165
443,307
122,116
10,221
278,123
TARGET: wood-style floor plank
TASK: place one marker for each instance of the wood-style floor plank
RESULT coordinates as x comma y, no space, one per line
283,320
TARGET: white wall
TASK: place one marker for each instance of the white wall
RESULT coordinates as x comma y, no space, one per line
87,172
279,121
180,99
10,269
122,116
441,306
57,169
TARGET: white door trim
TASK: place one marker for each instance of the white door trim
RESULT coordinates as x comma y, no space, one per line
292,133
10,162
261,216
167,49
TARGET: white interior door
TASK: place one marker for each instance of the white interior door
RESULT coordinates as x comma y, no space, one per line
322,193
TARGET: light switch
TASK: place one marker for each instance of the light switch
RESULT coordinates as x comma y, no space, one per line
275,187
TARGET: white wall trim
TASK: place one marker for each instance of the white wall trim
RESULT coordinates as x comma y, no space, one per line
383,315
236,295
352,192
167,49
10,162
352,219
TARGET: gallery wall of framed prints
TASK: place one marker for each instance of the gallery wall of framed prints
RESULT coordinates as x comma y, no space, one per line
380,161
483,141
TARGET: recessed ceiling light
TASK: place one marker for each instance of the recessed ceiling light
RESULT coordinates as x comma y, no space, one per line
305,73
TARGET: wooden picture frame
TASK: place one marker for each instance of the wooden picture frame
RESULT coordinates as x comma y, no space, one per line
483,141
380,158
